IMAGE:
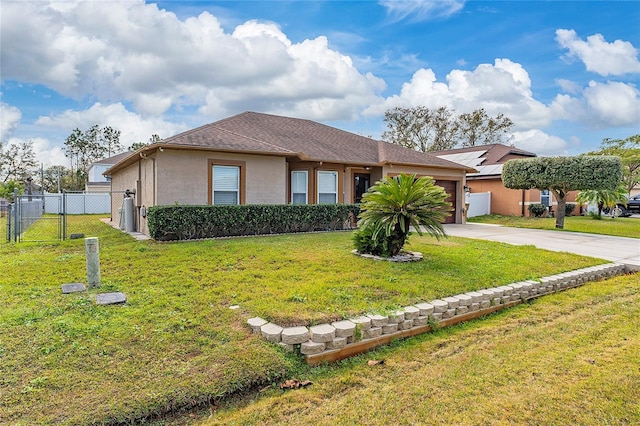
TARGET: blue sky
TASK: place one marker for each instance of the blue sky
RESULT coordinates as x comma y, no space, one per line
566,72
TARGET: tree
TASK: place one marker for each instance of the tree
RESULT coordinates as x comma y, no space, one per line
86,147
563,174
59,178
137,145
603,198
477,128
17,161
426,130
629,152
111,140
7,189
395,204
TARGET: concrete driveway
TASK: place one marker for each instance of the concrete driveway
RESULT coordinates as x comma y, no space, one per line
616,249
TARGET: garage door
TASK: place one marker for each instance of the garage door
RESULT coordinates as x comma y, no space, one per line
450,188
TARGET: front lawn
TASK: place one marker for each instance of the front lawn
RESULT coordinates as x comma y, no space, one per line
572,358
620,226
176,343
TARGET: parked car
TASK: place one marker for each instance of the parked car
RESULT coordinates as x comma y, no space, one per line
633,204
625,210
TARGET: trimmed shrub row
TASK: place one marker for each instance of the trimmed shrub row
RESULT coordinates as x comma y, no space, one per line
178,222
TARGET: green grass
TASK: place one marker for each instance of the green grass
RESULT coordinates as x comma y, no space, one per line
620,226
569,358
176,343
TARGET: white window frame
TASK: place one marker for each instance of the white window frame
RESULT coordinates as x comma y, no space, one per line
213,182
545,193
334,192
304,173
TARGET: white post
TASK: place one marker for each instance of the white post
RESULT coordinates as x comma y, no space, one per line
93,261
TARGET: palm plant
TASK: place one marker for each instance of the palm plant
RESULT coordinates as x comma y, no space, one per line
604,199
395,204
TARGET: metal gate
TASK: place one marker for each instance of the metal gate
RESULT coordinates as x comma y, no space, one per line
37,218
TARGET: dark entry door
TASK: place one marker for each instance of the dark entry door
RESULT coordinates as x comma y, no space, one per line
450,188
361,182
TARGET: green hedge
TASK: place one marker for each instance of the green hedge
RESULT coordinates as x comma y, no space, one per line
193,222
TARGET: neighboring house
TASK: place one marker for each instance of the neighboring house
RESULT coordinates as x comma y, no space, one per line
254,158
97,181
488,161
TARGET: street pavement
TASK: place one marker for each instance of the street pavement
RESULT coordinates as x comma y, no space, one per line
615,249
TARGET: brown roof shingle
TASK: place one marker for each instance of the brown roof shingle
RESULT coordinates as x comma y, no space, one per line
267,134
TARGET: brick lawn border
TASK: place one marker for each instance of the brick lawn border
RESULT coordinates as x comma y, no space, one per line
343,339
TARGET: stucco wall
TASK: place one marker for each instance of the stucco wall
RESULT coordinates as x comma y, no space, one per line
508,202
183,177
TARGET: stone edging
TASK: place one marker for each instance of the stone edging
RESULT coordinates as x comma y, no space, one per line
343,339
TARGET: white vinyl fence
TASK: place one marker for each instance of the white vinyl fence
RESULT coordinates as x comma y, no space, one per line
479,204
80,203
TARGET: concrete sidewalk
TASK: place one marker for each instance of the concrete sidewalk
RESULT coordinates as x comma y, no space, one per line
616,249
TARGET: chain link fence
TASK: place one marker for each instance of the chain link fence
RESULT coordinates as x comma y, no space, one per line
43,217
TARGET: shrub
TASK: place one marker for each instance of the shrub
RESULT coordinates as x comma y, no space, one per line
568,209
537,210
367,240
395,204
195,222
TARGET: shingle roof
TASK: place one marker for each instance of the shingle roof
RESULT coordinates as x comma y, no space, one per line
114,159
267,134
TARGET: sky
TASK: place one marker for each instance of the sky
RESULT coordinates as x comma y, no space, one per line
565,72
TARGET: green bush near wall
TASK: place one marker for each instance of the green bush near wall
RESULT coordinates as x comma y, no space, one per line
178,222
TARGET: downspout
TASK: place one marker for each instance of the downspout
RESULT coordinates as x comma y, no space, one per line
523,202
153,180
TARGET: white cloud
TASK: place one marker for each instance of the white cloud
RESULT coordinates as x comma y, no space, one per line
132,51
132,126
504,87
49,154
614,103
422,10
617,58
601,105
540,143
568,85
9,120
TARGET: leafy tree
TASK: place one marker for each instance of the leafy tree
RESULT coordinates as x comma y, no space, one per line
111,140
137,145
395,204
17,161
86,147
603,198
56,178
477,128
563,174
629,152
426,130
7,189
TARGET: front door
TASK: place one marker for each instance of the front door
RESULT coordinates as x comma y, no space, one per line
361,183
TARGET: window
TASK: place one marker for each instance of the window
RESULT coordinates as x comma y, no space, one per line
545,197
226,185
327,187
299,187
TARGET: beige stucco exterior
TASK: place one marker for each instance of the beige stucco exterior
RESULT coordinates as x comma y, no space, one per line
170,176
182,176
